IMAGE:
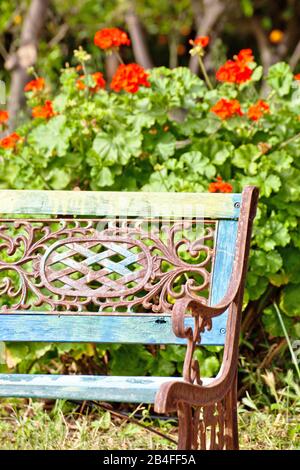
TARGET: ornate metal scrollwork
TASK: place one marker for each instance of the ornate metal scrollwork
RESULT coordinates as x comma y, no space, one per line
69,265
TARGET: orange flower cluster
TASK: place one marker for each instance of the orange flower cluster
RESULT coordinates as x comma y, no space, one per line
110,38
202,41
44,112
98,79
257,110
297,76
220,186
129,78
237,70
225,109
3,116
10,141
35,85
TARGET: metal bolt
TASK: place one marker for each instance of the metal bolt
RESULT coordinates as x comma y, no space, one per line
237,205
222,331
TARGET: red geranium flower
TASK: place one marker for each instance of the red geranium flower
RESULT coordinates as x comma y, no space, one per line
220,186
129,78
257,110
227,108
108,38
202,41
35,85
245,55
98,79
3,116
44,112
297,76
10,141
237,70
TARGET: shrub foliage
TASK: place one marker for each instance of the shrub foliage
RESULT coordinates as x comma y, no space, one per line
178,134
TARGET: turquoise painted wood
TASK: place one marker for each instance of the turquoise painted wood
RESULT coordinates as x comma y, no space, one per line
147,329
223,264
83,387
97,203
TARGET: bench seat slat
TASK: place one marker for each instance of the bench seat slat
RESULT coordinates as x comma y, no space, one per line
147,329
83,387
106,203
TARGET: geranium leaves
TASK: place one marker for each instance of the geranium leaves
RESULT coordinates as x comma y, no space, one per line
52,138
280,78
116,147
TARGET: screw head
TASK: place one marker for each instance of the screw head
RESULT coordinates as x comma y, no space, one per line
237,205
222,331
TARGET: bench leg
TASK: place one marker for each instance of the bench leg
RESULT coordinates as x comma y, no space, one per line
185,426
232,434
210,427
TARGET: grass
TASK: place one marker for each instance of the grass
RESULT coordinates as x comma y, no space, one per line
37,424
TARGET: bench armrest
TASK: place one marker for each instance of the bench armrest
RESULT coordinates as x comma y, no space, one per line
204,313
237,280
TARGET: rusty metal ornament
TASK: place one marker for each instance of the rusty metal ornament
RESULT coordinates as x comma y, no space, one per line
96,266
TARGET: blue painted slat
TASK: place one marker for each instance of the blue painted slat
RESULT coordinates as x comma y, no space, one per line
132,328
225,251
83,387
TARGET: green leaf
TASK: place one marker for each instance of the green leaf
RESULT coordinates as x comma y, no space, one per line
196,162
117,148
59,178
273,233
217,151
52,138
271,184
263,263
256,285
280,78
291,264
210,366
290,300
257,74
105,177
138,360
165,146
244,155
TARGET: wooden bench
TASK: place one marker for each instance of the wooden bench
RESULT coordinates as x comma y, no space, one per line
151,268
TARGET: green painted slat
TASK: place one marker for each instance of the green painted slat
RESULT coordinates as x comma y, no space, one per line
107,203
147,329
223,264
83,387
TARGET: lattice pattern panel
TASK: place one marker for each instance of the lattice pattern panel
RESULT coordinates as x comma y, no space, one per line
69,265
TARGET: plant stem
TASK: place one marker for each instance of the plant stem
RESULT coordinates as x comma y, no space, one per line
288,141
294,359
117,54
206,77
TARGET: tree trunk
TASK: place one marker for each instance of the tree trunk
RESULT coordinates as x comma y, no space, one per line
25,56
139,46
205,18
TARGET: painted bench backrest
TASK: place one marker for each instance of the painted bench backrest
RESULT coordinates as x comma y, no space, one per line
108,266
